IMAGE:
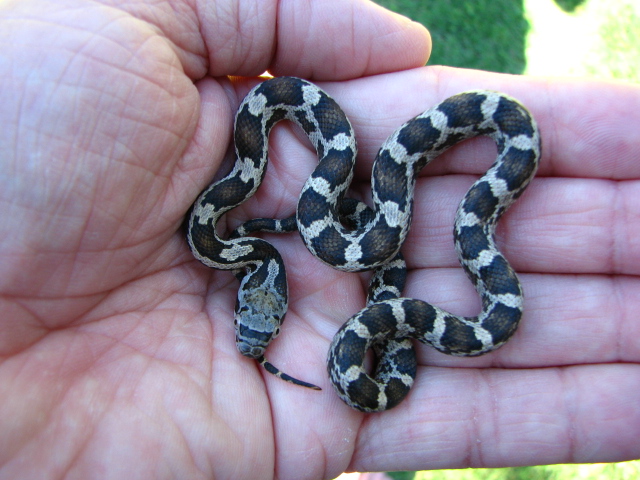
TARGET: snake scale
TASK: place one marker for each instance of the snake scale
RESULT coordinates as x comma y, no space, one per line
349,236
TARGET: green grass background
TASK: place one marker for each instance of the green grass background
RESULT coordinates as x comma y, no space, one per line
585,38
593,38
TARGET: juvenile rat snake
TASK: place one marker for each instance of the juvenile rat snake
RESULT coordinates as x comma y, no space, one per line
349,236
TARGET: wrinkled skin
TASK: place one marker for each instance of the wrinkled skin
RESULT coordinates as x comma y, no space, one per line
117,352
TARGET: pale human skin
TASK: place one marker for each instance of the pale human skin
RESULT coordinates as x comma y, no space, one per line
117,354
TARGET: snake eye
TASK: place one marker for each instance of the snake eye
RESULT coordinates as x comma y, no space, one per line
276,332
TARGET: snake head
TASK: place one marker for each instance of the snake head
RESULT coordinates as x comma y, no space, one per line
258,315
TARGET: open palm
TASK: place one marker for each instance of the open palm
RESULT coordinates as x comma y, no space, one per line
117,355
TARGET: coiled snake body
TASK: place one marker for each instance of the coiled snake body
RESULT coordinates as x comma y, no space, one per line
351,237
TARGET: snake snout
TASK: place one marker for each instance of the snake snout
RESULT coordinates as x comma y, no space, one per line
251,342
251,351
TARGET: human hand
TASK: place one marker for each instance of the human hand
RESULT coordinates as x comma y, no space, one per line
117,346
565,387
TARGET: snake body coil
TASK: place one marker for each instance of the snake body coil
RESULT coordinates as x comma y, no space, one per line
371,239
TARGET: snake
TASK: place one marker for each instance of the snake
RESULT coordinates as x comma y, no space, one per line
351,236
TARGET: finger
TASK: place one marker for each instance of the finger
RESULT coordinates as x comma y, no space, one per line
589,129
330,39
559,225
506,418
568,319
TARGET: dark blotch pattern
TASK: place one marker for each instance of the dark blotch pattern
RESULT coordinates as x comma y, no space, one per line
502,322
419,135
312,207
333,244
512,120
420,315
518,167
480,201
289,224
463,110
335,166
282,91
248,144
229,191
331,119
473,239
390,180
499,278
458,337
204,239
379,320
396,391
351,351
364,391
381,243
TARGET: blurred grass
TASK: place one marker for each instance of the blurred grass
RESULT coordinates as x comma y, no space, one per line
600,471
463,36
587,38
597,39
621,42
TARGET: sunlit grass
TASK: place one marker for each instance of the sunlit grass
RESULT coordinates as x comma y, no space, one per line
599,471
599,39
586,38
483,34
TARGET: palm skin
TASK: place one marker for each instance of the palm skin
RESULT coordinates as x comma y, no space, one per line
117,356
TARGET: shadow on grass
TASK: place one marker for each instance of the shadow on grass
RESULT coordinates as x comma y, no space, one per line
481,34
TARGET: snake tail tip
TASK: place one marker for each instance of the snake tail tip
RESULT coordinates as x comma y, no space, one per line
272,369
